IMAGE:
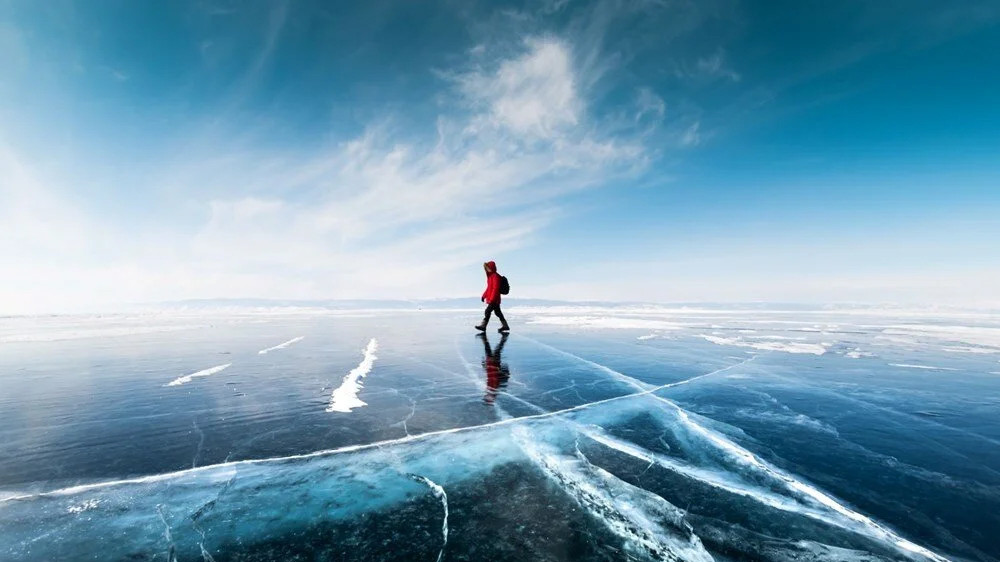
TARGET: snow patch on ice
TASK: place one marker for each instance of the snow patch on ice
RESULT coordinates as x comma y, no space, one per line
791,347
773,337
974,335
281,345
84,506
856,353
345,397
203,373
609,322
969,349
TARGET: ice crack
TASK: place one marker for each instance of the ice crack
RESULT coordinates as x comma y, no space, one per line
650,526
201,443
439,493
171,549
347,448
413,411
747,458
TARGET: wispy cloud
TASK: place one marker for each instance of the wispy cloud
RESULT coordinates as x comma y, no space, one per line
383,214
649,104
534,95
692,135
715,66
381,206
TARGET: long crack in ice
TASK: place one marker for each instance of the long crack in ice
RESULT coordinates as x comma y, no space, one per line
641,521
650,525
737,452
439,493
171,547
749,459
201,443
345,449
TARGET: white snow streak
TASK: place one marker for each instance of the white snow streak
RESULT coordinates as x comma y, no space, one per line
281,345
203,373
345,397
927,367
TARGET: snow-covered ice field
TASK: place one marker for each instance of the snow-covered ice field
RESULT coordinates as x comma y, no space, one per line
590,433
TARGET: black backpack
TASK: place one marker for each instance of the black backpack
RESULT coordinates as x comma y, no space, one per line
504,285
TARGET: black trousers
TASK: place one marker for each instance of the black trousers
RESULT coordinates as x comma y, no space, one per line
490,309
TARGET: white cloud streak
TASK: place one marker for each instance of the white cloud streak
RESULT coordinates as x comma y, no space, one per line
534,95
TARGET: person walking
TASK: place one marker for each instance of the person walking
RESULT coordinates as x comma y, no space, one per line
491,296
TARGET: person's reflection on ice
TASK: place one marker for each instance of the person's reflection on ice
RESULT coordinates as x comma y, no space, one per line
497,372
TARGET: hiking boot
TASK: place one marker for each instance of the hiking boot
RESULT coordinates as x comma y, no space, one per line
504,329
481,327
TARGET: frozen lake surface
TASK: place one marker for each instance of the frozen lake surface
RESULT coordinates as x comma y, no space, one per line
587,434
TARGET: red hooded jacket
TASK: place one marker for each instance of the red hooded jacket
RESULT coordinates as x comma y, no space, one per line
492,293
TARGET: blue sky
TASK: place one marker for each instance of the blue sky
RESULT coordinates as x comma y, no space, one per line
663,151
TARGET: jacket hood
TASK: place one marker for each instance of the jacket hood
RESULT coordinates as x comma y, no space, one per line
492,265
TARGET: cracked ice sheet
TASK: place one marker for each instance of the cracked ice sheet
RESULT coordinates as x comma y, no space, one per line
252,500
434,379
256,501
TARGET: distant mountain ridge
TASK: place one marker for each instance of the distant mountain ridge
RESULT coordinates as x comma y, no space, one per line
474,302
359,304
